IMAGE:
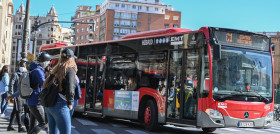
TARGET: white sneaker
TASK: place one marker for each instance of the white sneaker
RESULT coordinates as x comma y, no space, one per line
2,115
73,126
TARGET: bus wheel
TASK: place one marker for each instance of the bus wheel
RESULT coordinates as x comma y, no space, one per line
151,116
208,130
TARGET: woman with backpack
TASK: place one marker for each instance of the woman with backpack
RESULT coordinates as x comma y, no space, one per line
59,114
4,88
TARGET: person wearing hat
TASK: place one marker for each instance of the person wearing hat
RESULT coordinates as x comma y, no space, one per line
37,78
18,102
59,115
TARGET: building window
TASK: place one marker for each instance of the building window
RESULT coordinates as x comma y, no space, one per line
147,8
19,26
16,26
116,23
133,6
117,15
134,16
82,37
82,30
77,30
166,25
156,9
14,48
139,7
139,16
138,24
77,38
117,5
175,26
116,31
87,37
175,17
123,6
166,17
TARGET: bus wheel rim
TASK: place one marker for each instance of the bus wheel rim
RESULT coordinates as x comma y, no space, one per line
148,115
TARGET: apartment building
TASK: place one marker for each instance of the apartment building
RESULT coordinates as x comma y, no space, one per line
6,23
86,33
116,18
46,34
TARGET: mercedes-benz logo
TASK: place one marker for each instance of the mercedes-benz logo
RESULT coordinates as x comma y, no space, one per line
246,115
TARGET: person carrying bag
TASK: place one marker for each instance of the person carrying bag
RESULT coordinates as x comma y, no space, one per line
58,106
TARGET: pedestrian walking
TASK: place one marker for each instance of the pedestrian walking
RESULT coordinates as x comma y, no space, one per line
18,101
59,115
4,87
37,78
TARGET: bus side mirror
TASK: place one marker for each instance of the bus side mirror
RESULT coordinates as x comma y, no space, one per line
217,52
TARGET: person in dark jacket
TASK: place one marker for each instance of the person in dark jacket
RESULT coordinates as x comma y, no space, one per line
77,96
18,102
59,115
37,78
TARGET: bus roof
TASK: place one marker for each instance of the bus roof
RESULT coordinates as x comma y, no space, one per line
156,32
140,35
53,45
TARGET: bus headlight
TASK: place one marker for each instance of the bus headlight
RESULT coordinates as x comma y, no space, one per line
269,116
214,114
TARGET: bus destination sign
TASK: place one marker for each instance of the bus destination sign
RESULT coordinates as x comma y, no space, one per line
251,41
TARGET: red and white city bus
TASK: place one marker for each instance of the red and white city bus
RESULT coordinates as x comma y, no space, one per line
210,78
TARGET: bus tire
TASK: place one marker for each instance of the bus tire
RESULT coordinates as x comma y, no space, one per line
150,116
208,129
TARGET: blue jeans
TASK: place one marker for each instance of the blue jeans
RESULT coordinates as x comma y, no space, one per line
74,105
59,118
4,103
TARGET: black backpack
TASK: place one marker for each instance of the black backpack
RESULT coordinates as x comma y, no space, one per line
48,96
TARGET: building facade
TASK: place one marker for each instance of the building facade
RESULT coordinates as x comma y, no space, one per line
46,34
275,39
86,33
6,24
116,18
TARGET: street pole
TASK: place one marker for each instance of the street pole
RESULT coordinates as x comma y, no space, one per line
26,31
35,43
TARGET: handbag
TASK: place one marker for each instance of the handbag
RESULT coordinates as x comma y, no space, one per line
48,96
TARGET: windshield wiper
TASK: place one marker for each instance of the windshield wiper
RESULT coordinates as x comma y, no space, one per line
224,97
262,98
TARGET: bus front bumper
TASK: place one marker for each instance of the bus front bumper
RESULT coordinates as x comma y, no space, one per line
204,121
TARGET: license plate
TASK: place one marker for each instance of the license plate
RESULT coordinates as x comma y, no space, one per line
246,124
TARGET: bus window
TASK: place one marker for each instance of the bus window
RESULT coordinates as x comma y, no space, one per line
121,73
190,84
175,81
152,70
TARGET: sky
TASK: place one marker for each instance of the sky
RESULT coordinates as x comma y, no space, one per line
251,15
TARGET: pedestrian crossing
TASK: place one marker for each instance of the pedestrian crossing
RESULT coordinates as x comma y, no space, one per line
122,128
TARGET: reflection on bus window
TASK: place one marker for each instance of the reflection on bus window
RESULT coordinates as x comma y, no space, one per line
121,73
152,70
242,72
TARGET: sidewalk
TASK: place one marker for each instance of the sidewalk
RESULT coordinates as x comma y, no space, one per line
4,122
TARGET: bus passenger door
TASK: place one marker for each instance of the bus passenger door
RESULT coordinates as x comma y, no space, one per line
182,79
95,83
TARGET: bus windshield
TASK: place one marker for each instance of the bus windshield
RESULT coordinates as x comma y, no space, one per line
242,73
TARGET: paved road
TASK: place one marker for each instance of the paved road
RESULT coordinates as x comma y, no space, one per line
86,125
